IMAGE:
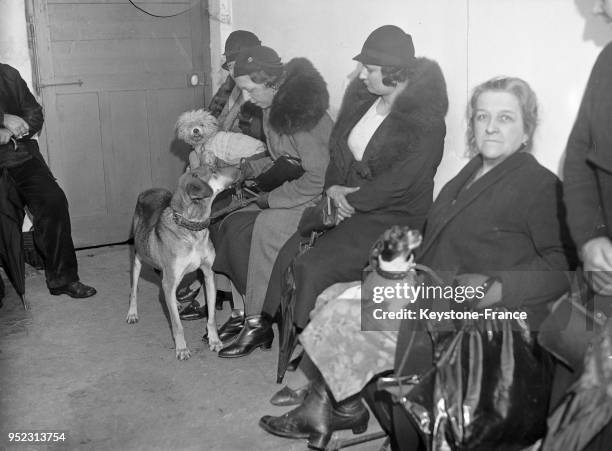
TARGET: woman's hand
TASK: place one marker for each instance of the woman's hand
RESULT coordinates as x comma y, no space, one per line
5,135
597,257
338,194
492,295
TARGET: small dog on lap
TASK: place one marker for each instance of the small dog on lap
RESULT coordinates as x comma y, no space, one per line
212,147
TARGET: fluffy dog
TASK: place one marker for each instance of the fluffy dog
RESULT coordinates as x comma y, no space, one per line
199,129
171,234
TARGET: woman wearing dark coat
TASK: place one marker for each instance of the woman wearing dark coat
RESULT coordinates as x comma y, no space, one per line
384,151
499,225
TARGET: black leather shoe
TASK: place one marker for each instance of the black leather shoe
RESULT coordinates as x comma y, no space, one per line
257,333
295,363
186,294
74,290
193,311
288,397
318,417
231,328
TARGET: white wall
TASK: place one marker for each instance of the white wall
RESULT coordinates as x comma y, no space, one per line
550,43
14,38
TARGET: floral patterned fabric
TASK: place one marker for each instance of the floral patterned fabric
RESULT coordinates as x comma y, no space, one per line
346,356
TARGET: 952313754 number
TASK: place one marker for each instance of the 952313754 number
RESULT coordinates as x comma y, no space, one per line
33,437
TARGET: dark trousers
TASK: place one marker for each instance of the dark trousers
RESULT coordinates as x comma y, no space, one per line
232,241
339,255
47,202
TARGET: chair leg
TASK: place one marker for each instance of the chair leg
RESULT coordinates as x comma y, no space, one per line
337,444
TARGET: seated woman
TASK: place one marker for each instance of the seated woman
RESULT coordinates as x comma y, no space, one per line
294,98
498,225
384,152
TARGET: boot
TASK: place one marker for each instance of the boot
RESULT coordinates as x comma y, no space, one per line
231,328
318,417
257,332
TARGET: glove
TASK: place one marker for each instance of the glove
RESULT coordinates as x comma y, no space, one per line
262,201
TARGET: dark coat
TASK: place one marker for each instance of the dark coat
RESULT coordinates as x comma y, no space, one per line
16,99
588,164
396,180
508,224
398,166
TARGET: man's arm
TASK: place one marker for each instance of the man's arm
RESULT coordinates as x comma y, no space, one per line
23,115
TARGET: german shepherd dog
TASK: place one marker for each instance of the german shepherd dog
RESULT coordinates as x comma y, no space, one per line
171,234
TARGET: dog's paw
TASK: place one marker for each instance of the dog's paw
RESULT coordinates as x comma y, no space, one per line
215,345
183,354
131,318
214,342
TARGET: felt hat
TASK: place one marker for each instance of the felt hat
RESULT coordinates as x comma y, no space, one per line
387,46
236,41
258,58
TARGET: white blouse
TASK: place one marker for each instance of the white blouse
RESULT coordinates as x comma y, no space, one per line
364,130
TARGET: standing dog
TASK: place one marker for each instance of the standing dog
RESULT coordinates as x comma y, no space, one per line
171,234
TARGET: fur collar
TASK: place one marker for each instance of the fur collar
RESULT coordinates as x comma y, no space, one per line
417,111
423,103
301,100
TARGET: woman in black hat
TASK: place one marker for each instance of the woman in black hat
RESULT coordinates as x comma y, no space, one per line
227,103
294,100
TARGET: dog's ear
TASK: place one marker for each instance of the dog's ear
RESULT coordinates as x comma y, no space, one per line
210,124
179,128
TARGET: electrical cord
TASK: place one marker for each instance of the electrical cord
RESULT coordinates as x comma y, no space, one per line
160,16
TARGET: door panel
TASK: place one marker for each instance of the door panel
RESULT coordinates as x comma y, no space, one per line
112,81
82,162
131,159
73,23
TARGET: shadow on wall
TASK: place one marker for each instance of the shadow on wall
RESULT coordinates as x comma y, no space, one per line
181,150
596,28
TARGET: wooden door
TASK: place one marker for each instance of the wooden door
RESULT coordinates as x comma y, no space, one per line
113,80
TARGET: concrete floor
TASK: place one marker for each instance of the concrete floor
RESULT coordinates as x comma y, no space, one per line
77,366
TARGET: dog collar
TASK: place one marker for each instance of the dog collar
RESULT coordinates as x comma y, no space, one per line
395,275
194,226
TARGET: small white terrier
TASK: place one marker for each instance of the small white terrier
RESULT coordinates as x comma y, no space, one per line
200,129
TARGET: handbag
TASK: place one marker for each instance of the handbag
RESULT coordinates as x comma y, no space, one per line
284,169
489,389
570,326
319,218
